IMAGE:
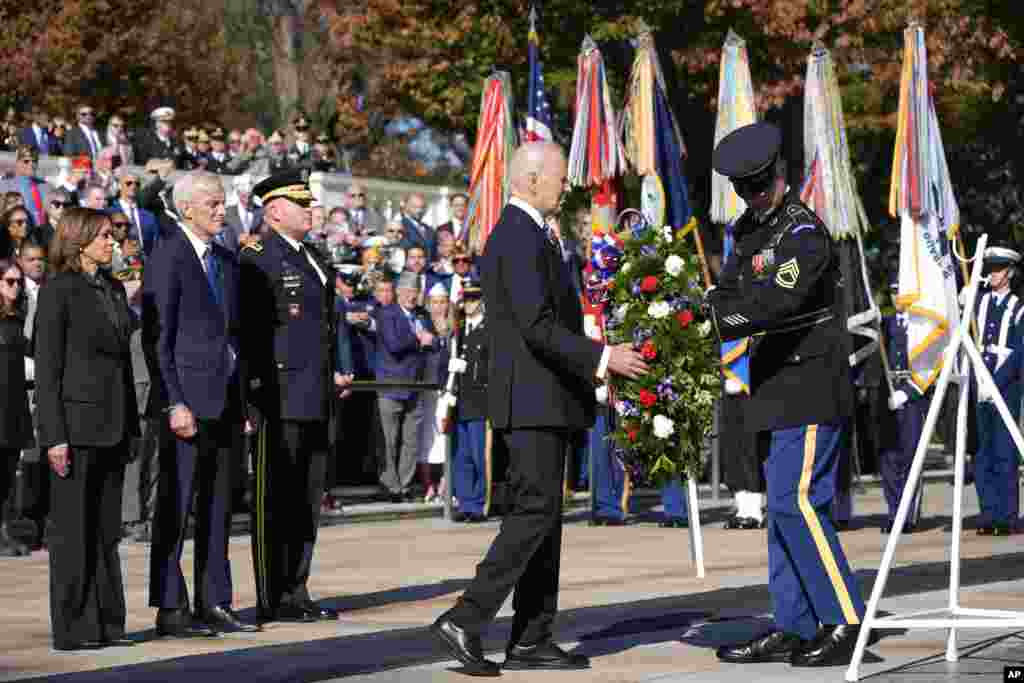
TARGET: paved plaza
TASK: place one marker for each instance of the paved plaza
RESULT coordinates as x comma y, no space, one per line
630,600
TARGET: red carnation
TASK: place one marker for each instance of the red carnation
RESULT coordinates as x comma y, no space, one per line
649,284
648,398
649,351
684,318
632,433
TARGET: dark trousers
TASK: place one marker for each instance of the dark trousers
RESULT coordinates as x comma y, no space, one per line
808,576
199,469
894,463
86,589
8,471
471,473
291,462
527,552
141,474
997,462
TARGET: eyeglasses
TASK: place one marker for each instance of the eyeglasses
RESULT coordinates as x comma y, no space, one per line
13,281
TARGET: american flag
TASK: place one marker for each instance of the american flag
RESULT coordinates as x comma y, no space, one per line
538,112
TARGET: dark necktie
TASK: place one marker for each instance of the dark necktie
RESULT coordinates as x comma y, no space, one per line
213,276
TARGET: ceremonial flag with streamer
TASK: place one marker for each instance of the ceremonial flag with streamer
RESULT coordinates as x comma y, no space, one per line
830,189
495,143
654,145
538,111
736,108
596,157
921,196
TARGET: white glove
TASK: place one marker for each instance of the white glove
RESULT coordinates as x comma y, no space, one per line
897,400
441,412
602,394
732,386
457,365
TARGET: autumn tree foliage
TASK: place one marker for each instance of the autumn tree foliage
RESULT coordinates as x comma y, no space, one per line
430,57
119,55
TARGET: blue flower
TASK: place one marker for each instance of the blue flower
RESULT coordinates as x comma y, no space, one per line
649,250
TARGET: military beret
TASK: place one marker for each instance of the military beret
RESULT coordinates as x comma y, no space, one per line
292,185
747,156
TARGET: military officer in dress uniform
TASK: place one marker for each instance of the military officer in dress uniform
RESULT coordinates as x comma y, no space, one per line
288,321
278,160
471,467
784,290
901,426
996,462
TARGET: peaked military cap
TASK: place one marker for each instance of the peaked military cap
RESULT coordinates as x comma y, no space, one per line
162,114
471,288
747,157
1001,252
217,134
292,185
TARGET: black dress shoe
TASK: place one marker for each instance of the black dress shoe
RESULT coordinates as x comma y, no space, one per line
832,646
178,623
545,655
476,518
464,647
459,517
117,642
674,523
225,620
293,613
396,497
743,523
777,646
600,520
319,612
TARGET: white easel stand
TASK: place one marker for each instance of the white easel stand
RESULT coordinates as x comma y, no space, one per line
696,537
954,616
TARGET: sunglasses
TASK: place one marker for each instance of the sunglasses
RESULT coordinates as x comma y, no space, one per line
61,205
462,260
358,196
121,224
18,221
13,281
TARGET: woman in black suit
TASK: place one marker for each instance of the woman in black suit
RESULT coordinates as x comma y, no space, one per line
15,423
87,416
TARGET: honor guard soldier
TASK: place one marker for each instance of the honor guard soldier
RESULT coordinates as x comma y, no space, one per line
471,468
288,322
783,290
996,462
901,425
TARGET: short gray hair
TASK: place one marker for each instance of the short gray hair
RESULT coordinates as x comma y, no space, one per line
194,183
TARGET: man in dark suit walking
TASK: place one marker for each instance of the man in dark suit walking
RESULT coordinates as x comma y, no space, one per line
191,322
289,321
541,388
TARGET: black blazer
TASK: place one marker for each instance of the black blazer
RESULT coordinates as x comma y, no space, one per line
542,366
15,423
84,384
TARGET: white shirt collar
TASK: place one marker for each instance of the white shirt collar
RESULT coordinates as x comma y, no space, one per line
31,286
197,244
532,212
999,296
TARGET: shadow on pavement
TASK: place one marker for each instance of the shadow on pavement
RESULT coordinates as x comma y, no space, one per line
600,630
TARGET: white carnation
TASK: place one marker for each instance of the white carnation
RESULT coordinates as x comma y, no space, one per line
663,427
667,233
658,310
704,328
624,268
674,265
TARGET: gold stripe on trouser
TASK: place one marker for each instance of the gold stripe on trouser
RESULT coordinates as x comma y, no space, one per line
260,528
817,533
627,484
488,444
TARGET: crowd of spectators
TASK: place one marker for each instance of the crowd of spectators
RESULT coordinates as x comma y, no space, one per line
378,257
